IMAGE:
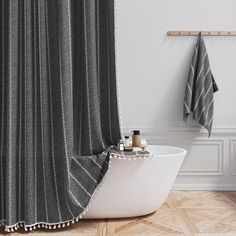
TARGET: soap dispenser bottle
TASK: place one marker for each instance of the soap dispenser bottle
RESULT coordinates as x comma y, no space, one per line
121,145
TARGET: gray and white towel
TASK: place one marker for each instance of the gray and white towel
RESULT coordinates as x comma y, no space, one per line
200,88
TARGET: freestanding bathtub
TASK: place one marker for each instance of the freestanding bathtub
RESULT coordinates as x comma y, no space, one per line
137,187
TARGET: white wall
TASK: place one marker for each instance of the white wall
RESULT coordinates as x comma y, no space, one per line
153,71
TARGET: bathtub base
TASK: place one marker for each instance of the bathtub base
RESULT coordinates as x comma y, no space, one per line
137,188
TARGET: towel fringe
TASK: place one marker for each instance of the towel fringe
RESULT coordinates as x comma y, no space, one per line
132,157
59,225
41,225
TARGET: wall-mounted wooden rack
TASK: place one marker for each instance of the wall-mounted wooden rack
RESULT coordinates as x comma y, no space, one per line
205,33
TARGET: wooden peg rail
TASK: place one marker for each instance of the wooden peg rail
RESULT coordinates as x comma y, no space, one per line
205,33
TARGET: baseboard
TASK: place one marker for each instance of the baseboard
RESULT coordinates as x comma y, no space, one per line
213,187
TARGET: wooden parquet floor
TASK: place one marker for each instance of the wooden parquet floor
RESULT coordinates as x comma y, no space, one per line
189,213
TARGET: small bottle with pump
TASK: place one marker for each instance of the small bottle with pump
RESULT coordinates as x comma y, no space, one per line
121,145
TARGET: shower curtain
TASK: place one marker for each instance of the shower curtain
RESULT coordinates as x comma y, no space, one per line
58,114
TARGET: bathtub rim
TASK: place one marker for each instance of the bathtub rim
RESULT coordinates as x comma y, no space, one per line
183,151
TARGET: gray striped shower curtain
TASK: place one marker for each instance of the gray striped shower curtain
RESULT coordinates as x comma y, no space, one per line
58,114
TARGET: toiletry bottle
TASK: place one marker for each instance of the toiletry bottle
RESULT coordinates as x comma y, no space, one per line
136,138
128,146
121,145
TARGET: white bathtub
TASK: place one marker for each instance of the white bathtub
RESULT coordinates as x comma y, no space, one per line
135,188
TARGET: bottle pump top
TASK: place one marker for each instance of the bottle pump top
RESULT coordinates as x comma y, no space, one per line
136,132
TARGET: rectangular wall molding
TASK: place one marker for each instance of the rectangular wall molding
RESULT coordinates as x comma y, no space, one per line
210,162
218,145
233,156
187,130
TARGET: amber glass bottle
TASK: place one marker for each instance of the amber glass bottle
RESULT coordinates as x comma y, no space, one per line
136,138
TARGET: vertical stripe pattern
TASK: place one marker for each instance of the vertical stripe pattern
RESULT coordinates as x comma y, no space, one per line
200,88
59,113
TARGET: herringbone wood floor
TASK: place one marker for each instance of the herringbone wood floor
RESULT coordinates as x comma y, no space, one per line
198,213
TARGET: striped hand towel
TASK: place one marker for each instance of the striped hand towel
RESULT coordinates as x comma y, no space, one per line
200,88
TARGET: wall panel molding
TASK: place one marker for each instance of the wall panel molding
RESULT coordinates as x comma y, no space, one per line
219,144
232,146
221,155
187,130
